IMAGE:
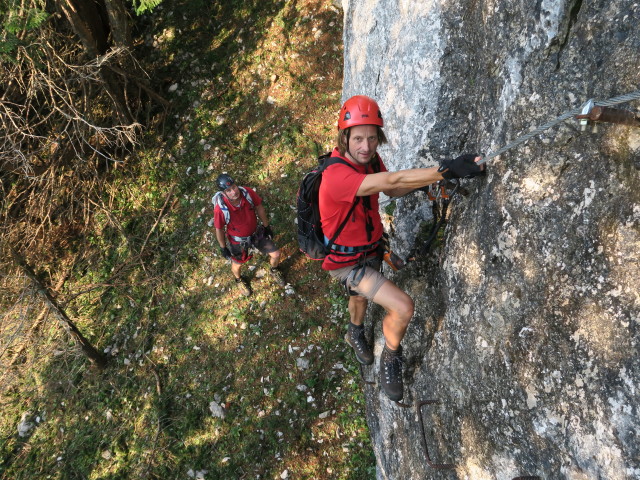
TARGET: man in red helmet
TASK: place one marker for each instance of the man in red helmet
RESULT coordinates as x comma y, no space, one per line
354,257
237,230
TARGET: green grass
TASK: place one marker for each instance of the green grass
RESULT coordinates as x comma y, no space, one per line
150,291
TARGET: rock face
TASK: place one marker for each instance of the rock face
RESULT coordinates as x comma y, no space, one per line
527,322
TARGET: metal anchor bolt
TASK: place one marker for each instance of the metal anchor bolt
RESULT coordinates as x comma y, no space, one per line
586,109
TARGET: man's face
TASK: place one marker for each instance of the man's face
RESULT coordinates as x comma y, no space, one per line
232,192
363,143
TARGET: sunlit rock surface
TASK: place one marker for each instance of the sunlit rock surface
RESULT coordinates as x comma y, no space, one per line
526,329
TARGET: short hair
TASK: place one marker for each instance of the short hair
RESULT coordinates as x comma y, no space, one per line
341,141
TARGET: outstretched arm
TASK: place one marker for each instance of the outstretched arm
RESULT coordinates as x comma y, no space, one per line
395,184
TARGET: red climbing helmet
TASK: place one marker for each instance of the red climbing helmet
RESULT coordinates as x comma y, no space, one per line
360,110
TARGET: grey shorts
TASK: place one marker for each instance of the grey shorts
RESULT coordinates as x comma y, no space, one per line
240,252
370,282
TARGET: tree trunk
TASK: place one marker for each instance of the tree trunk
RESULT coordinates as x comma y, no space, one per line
90,21
119,23
89,350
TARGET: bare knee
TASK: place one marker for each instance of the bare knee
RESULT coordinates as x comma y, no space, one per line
358,300
404,311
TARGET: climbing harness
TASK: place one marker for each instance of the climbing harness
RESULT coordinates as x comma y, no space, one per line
440,193
587,109
393,260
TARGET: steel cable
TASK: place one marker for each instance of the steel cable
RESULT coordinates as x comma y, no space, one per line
571,113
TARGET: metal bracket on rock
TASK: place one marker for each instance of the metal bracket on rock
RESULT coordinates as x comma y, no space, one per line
591,114
612,115
419,405
586,108
437,466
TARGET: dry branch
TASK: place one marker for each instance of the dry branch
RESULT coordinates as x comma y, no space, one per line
89,350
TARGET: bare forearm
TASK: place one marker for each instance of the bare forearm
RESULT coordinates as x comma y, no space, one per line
414,178
398,192
262,215
220,236
398,183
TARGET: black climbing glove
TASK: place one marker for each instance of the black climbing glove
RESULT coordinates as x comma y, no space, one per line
268,232
463,166
226,253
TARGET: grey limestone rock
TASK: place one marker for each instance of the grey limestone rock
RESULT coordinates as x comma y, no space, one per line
526,329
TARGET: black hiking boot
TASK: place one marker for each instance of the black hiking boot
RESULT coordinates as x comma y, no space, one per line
356,339
278,277
391,373
243,286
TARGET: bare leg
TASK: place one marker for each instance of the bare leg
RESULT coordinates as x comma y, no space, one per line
357,309
399,307
274,258
235,269
355,335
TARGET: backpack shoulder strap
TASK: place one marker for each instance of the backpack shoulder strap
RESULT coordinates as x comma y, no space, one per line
326,162
218,201
246,195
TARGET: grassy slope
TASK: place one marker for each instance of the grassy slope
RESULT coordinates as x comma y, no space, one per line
258,88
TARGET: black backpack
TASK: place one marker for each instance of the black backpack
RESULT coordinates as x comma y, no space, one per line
310,235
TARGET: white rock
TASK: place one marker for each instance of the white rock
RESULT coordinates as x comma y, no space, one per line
217,410
25,426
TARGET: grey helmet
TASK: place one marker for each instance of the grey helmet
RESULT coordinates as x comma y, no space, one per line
224,181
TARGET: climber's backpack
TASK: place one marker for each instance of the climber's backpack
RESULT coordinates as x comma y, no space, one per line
218,200
310,235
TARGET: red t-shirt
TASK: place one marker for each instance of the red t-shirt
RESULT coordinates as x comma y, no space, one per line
337,193
242,219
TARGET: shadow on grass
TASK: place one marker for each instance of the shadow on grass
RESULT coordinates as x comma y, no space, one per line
254,79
